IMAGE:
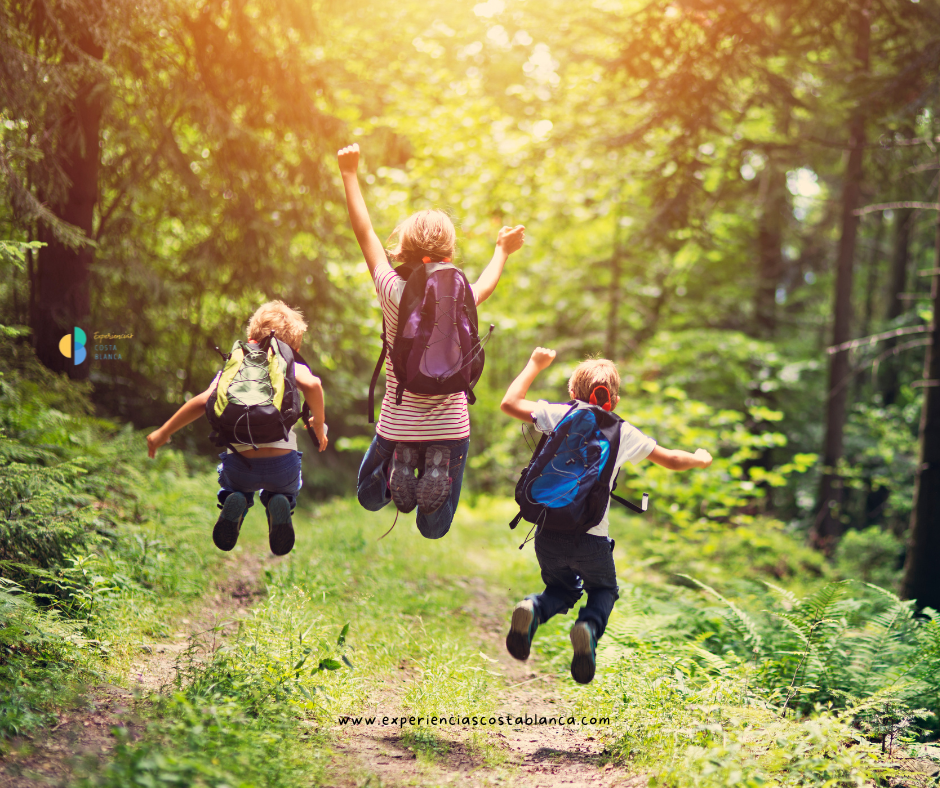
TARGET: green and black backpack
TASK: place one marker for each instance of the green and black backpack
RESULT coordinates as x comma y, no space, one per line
255,399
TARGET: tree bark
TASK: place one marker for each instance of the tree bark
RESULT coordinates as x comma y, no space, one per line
773,201
903,218
828,526
61,299
871,285
921,579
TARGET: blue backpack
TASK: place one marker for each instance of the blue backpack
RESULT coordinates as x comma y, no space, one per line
566,486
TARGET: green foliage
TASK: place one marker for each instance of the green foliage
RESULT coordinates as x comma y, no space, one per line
867,655
81,575
872,556
215,744
41,659
66,479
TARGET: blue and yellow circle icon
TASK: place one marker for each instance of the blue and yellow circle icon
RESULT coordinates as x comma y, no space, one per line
76,340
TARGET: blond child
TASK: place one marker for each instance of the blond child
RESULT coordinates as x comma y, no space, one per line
573,564
415,430
272,467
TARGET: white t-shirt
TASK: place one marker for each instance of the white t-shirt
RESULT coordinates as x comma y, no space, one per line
634,446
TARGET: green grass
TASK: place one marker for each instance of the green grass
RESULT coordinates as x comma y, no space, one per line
353,625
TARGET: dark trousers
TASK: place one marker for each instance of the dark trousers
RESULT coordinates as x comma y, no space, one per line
372,487
271,475
570,566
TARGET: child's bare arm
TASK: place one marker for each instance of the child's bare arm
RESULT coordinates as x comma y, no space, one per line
678,460
192,410
369,242
514,401
509,240
310,386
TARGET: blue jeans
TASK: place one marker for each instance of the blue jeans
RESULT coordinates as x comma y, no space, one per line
372,487
570,565
271,475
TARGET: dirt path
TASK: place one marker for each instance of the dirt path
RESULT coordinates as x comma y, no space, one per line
50,757
537,756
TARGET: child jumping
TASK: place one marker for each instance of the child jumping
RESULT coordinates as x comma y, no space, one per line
422,430
572,561
256,396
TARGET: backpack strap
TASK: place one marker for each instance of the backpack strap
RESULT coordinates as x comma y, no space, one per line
538,450
370,408
404,271
641,509
305,413
238,454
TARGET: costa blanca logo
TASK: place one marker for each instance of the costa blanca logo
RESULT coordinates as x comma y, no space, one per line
73,345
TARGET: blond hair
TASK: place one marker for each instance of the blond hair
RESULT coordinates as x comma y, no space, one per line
592,373
424,234
287,324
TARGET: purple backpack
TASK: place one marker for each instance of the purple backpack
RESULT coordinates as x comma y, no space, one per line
437,347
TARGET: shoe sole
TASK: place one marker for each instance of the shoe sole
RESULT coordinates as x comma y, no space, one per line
518,643
435,485
225,533
401,478
281,529
583,664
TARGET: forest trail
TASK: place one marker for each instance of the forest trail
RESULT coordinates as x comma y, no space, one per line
538,756
85,732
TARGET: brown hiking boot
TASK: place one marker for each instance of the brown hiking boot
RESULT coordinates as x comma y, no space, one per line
401,477
434,486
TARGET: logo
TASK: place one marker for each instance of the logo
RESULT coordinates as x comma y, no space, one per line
73,345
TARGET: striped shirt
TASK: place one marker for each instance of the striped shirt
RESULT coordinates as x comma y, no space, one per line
420,417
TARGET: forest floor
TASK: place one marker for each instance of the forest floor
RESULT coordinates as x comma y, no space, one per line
540,755
263,658
85,733
470,614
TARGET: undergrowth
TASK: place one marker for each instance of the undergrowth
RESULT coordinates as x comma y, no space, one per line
760,671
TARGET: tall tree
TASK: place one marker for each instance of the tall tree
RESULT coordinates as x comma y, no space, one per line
52,93
61,284
828,526
921,580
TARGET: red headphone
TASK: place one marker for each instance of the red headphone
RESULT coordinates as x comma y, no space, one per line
593,398
428,260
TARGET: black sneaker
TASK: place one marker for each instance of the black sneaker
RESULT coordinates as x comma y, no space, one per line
225,533
583,644
434,486
522,629
280,527
401,477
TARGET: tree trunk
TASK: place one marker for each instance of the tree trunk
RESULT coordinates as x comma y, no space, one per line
773,201
828,526
61,299
871,285
903,219
921,579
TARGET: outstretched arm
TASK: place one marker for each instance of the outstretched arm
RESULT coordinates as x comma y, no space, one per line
514,401
369,242
678,460
509,240
310,386
192,410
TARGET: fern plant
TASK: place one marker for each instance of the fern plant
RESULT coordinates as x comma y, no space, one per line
866,655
